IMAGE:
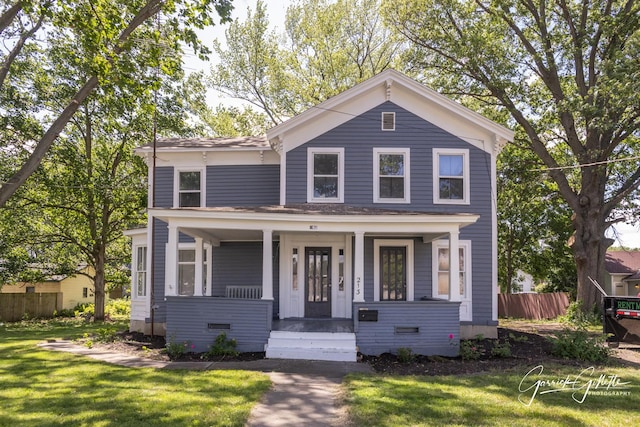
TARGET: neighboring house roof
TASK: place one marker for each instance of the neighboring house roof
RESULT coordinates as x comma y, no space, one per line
390,85
209,144
623,262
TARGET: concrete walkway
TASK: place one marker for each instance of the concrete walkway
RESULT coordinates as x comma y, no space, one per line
304,393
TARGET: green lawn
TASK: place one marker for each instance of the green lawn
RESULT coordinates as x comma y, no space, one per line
493,399
44,388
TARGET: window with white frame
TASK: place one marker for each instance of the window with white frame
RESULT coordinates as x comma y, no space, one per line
325,182
189,186
441,269
391,175
186,271
393,270
451,176
141,271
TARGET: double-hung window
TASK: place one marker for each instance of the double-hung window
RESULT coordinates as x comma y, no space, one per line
141,271
391,175
189,186
325,182
451,176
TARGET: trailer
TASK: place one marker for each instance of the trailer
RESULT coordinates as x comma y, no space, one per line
622,319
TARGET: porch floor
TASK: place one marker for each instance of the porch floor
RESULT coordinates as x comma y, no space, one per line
313,325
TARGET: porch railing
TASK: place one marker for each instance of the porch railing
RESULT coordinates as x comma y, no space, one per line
243,292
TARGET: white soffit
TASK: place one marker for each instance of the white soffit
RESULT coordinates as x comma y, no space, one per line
403,91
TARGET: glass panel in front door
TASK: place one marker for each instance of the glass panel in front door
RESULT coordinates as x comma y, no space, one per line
318,289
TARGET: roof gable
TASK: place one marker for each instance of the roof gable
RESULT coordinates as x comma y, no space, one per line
403,91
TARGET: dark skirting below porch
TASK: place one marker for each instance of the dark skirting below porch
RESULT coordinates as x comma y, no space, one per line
313,325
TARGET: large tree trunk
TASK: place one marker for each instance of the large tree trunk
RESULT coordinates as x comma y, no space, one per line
589,246
99,285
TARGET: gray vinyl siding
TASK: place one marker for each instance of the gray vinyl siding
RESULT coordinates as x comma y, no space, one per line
160,243
240,264
358,137
227,185
189,319
243,185
434,322
164,187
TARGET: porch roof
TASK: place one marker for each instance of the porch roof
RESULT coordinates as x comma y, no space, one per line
233,223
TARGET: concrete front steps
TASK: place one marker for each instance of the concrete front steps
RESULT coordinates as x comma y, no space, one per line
332,346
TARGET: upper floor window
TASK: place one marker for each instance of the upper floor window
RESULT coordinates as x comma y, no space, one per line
325,182
190,193
391,175
451,176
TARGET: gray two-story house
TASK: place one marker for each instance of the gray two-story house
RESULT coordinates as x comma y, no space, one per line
366,223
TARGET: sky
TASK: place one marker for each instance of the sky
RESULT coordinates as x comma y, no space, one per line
625,234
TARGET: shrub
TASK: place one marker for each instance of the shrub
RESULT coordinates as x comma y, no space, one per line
579,344
118,307
176,350
471,349
405,355
576,316
84,309
222,346
501,349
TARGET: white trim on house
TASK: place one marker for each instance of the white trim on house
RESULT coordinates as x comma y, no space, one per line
466,177
311,151
292,295
139,304
466,306
408,244
403,91
405,152
176,184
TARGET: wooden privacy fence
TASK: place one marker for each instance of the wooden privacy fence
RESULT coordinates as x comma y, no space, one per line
533,306
14,307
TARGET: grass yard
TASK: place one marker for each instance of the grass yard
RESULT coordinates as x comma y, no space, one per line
43,388
492,399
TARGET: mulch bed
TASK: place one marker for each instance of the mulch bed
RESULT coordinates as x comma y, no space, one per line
527,349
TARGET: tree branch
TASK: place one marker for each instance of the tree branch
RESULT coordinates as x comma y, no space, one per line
9,15
8,189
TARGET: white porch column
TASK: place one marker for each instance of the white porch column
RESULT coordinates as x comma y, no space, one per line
267,264
358,268
208,272
454,266
197,289
171,279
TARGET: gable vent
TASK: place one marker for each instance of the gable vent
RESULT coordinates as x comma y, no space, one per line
388,121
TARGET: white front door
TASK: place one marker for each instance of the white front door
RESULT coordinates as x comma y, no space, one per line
301,289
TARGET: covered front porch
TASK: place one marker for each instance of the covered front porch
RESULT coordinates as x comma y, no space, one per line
287,269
